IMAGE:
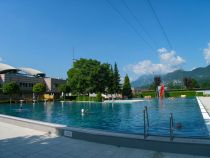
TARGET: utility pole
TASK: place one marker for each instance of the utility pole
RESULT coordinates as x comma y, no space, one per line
73,55
73,58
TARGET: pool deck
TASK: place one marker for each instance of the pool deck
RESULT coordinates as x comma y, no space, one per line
206,103
20,142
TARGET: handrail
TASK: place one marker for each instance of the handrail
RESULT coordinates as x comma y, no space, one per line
146,122
171,124
145,132
147,116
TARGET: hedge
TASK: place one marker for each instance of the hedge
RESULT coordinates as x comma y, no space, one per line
98,98
170,94
148,93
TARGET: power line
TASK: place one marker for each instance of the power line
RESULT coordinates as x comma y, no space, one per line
161,26
132,26
139,22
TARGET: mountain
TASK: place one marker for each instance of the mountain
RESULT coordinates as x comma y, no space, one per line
142,81
200,74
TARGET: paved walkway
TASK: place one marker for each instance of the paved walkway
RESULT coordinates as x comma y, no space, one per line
206,103
18,142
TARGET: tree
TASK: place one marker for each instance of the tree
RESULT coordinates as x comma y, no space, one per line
172,85
64,88
39,88
186,82
195,84
190,83
102,78
116,80
82,76
110,89
1,90
205,84
126,91
11,88
157,81
90,76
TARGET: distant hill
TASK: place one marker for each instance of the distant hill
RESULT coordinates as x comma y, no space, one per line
201,74
143,81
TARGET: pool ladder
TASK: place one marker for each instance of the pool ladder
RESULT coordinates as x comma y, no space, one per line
146,124
171,127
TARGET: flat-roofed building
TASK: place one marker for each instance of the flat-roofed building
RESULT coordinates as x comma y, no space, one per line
27,77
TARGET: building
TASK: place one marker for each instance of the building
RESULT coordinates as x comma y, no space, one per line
27,77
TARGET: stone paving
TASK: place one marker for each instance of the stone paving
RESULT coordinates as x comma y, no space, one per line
19,142
206,103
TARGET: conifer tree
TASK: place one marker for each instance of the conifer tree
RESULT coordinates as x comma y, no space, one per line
126,91
116,82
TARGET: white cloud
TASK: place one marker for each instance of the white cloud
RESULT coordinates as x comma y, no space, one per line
170,57
206,53
169,62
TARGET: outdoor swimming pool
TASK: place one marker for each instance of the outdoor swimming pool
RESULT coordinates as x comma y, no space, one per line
118,117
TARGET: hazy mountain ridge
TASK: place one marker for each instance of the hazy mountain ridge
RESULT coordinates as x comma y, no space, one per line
201,74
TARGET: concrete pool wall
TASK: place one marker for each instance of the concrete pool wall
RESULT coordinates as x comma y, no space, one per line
162,144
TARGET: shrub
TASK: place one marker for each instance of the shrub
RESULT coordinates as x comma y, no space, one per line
98,97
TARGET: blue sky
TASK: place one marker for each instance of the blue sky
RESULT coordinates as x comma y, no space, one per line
42,33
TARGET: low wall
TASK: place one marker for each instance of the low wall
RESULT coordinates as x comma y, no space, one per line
161,144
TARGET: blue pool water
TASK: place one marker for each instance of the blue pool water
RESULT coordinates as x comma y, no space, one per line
118,117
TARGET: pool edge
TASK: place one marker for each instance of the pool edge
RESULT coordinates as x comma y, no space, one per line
205,114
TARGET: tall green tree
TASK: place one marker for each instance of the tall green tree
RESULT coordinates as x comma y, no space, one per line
102,78
110,89
11,88
39,88
89,76
127,91
82,76
116,78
